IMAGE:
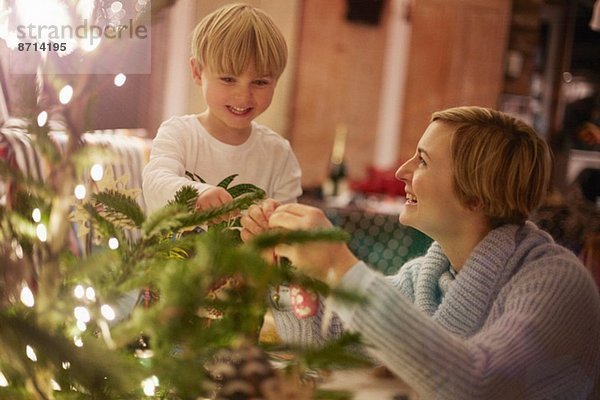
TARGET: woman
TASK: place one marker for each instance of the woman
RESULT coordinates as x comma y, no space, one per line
495,309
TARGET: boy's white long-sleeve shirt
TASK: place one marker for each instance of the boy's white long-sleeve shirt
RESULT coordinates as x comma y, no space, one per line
182,144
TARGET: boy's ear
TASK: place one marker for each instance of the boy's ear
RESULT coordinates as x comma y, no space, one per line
196,71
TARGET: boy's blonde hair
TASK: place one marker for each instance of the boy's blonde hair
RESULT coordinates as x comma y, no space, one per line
500,163
230,38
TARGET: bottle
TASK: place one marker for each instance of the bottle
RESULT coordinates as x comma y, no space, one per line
337,168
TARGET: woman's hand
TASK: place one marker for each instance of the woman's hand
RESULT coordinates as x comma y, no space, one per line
256,219
323,260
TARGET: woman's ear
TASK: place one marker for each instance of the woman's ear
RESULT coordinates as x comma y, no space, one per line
196,71
475,204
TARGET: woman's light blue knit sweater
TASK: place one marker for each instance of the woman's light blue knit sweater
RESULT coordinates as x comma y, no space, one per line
520,321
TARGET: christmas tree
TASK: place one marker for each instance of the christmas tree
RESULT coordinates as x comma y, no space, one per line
64,333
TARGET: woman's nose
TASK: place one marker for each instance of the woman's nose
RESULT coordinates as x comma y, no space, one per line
404,171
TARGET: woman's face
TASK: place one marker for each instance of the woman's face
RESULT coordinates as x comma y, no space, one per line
431,203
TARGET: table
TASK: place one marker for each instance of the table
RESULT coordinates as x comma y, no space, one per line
368,384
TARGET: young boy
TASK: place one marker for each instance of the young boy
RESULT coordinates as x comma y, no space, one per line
238,54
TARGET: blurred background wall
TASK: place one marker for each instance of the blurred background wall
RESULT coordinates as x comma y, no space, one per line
374,70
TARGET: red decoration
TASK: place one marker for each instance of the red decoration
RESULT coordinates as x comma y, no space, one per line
305,303
379,181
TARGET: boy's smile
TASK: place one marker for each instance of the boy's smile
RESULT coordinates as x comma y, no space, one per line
233,101
239,111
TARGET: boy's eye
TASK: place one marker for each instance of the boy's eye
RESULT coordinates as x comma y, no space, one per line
227,79
261,82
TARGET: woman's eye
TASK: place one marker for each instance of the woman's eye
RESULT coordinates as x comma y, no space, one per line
422,161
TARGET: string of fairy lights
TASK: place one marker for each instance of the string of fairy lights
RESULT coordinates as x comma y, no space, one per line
87,309
87,303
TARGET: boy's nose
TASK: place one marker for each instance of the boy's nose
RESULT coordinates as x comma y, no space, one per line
243,94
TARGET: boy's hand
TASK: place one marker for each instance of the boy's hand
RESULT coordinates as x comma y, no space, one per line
256,219
214,197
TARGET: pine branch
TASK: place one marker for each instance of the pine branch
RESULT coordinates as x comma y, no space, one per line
18,226
166,248
44,143
108,371
206,216
103,225
119,207
337,353
186,196
273,238
34,187
164,220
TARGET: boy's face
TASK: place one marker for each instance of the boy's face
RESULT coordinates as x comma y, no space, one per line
233,101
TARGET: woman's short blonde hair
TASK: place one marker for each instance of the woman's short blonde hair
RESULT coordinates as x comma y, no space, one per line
232,37
500,163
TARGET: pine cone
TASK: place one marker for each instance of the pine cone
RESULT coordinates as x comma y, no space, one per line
240,373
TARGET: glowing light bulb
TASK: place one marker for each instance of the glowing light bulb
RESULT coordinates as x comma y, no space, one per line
12,41
19,252
27,297
149,385
30,353
42,118
79,292
54,385
36,215
41,232
77,340
82,326
107,312
66,365
3,380
113,243
79,192
82,314
18,249
120,79
97,172
85,8
90,293
66,94
89,44
116,6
